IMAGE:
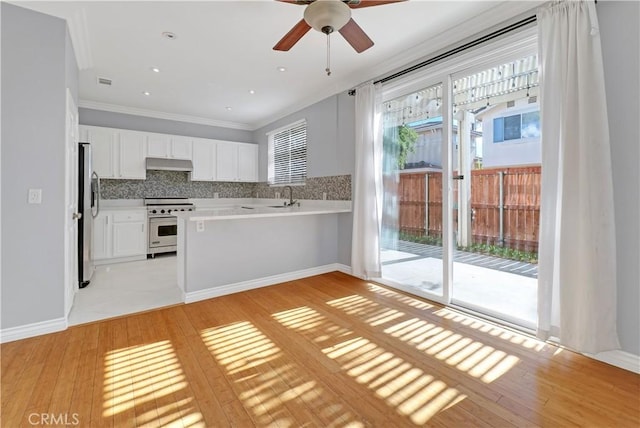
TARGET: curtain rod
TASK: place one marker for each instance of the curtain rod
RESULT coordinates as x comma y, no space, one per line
456,50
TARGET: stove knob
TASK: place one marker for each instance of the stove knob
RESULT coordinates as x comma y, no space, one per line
162,211
154,211
170,211
181,209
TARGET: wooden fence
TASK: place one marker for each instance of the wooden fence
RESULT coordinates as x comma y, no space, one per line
420,206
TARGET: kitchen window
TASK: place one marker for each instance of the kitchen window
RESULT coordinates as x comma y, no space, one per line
288,154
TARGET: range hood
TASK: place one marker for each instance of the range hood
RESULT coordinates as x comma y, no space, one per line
162,164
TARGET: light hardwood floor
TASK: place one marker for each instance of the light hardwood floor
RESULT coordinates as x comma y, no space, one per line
325,351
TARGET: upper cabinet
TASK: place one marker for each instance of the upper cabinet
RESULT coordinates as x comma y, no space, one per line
116,153
132,155
121,154
103,149
226,161
248,162
169,146
181,147
204,160
236,161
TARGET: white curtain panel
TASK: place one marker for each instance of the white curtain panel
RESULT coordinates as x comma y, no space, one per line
367,203
577,256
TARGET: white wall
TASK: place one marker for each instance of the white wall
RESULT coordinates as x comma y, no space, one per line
35,73
619,23
254,248
330,149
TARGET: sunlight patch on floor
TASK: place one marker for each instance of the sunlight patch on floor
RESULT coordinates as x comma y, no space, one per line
475,358
412,392
141,378
269,385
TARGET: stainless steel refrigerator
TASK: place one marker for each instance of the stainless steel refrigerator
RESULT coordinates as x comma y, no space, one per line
88,207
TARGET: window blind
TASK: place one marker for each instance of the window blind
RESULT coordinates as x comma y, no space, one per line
288,154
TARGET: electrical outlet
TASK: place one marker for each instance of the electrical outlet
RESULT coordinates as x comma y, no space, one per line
200,226
35,196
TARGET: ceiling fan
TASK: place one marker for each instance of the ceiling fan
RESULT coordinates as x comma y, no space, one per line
328,16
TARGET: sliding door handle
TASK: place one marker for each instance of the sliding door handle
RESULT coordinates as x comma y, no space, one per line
458,177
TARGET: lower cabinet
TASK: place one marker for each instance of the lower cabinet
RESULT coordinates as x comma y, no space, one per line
119,234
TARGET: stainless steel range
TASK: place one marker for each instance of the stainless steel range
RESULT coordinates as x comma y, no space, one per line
163,226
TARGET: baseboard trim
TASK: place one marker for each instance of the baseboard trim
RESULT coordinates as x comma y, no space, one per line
624,360
30,330
237,287
344,269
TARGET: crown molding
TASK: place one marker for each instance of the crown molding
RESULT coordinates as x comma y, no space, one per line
79,33
114,108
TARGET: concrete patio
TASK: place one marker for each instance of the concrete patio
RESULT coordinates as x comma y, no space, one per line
501,288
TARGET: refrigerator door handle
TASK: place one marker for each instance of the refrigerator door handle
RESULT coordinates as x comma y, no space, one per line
96,194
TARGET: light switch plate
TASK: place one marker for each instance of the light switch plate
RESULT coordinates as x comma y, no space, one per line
35,196
200,226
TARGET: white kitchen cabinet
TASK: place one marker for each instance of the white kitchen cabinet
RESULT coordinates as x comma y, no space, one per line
104,143
101,242
120,234
169,146
129,233
158,145
117,153
204,160
181,147
226,161
236,161
248,162
132,155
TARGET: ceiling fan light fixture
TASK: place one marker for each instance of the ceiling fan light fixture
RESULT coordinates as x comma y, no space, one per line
333,14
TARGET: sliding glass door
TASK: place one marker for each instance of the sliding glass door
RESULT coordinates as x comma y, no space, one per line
412,221
461,181
496,190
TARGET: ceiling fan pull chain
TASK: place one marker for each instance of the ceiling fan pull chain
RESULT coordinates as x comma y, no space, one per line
328,69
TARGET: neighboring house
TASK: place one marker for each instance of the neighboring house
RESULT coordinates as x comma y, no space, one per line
511,134
504,135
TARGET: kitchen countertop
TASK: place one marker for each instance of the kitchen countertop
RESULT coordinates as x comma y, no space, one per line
231,208
262,209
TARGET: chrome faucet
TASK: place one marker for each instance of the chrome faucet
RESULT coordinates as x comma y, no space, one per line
291,201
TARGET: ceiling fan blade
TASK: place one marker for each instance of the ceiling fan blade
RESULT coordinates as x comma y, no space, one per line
300,2
356,37
369,3
292,37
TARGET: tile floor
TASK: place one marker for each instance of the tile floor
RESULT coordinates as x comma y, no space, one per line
126,288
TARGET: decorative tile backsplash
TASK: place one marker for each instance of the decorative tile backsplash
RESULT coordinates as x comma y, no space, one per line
177,184
337,188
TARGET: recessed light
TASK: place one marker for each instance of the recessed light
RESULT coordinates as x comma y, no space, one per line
251,91
282,69
228,108
169,35
146,93
155,69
